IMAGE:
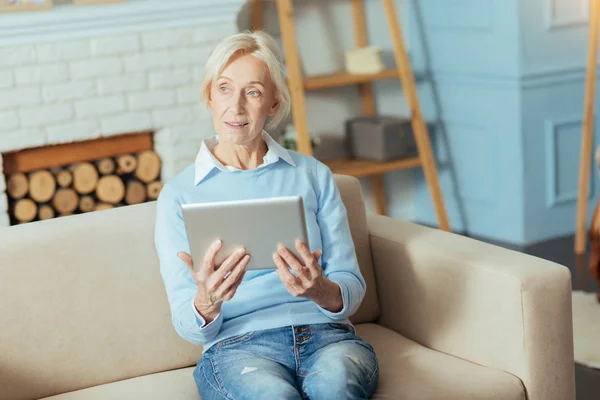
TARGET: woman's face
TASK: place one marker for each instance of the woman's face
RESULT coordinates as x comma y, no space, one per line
241,99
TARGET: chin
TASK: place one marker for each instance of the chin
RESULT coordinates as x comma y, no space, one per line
237,136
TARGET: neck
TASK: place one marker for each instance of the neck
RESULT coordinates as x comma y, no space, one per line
241,156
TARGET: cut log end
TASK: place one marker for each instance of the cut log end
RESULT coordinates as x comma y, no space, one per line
127,163
42,186
46,212
17,186
104,206
87,204
106,166
85,177
136,192
154,189
148,168
110,189
25,210
65,201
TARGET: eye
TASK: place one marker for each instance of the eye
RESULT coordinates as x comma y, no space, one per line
254,93
223,89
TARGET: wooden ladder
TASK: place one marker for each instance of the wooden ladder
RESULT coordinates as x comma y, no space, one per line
297,84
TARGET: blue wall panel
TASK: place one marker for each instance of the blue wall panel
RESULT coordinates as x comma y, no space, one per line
479,153
506,91
552,135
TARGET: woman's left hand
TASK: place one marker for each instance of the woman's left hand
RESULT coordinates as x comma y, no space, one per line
309,281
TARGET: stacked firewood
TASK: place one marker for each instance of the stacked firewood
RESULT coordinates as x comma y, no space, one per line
83,187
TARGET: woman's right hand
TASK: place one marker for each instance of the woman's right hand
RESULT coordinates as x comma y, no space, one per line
216,285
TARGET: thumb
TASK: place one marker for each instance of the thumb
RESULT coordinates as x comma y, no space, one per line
187,259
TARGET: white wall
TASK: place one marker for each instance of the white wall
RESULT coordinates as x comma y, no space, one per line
60,85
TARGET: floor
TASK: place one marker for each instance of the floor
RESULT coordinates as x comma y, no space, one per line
561,251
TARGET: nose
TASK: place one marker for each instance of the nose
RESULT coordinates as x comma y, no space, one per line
238,103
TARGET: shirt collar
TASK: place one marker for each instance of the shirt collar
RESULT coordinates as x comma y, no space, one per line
206,161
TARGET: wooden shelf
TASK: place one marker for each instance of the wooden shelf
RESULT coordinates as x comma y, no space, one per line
358,167
344,78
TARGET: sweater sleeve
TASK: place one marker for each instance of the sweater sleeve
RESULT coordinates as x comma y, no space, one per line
170,238
338,260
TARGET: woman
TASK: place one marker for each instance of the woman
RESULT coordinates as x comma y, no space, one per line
266,334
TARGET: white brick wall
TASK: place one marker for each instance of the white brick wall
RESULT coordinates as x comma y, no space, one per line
76,90
73,90
19,97
163,40
115,45
100,106
189,94
173,116
6,79
125,83
67,51
148,61
170,78
130,122
73,131
42,74
96,68
22,139
17,56
9,120
41,116
151,99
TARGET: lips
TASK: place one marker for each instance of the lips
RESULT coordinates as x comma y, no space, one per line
236,124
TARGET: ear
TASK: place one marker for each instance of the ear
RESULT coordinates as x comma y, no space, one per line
274,108
209,100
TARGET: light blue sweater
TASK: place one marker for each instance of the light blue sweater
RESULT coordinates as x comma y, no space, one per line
261,301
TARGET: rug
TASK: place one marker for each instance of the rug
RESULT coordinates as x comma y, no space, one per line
586,329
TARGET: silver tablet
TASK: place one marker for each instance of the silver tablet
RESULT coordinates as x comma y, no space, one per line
258,225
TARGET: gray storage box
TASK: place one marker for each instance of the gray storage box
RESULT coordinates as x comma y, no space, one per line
331,146
381,138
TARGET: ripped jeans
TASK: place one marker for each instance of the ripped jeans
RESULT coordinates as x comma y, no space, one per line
320,361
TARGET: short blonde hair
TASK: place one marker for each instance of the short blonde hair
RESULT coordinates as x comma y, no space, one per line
260,45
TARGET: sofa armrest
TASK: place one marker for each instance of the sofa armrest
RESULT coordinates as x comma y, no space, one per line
476,301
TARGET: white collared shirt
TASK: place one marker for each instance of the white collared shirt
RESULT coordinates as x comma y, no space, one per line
206,161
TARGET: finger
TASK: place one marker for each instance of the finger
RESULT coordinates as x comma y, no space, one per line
229,263
208,264
231,292
235,279
235,276
304,251
310,259
291,282
314,268
293,262
317,254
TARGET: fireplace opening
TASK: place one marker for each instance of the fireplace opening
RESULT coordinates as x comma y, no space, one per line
79,177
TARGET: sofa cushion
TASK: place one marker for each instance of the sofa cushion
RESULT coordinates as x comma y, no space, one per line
177,384
82,303
408,370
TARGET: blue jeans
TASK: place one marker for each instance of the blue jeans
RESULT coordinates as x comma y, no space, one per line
320,361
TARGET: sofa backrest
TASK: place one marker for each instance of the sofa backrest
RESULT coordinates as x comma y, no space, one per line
82,301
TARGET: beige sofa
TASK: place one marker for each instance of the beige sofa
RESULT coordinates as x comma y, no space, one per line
83,312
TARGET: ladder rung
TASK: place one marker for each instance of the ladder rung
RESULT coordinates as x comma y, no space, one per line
358,167
344,78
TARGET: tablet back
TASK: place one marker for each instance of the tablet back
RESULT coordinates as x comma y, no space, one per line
258,225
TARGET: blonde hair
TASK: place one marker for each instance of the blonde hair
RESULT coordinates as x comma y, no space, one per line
260,45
